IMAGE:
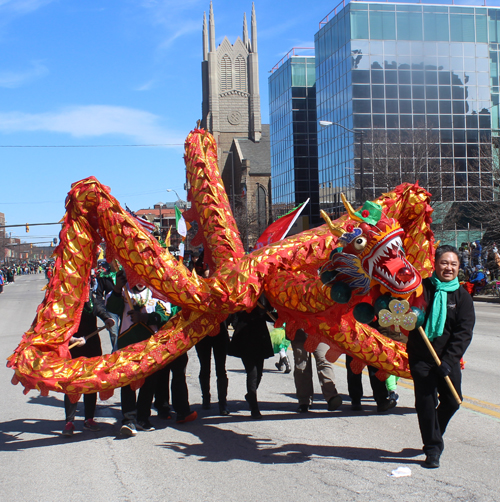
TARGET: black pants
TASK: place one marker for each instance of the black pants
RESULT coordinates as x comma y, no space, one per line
355,384
138,408
219,345
180,395
254,367
89,402
434,402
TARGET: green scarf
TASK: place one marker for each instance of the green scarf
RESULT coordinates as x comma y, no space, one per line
435,322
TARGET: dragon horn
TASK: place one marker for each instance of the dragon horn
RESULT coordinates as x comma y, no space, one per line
350,209
336,230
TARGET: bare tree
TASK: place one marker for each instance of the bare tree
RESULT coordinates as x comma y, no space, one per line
463,192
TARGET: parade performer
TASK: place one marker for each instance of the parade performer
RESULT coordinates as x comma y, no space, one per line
86,347
449,321
141,316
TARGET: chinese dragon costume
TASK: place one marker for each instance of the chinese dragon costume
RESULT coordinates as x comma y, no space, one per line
328,280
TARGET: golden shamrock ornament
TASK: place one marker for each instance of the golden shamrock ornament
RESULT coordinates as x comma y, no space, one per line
399,314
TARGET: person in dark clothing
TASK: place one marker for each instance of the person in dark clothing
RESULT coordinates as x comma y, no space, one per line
147,316
251,342
86,348
179,391
105,285
355,388
197,263
385,400
219,344
449,322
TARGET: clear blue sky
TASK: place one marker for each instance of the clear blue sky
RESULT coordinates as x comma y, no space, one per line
114,72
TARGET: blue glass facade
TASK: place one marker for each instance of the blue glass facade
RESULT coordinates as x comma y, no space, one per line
294,151
400,73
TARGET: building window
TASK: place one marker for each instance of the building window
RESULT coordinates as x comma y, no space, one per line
240,74
226,80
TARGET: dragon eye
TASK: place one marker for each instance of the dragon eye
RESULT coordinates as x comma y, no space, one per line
360,243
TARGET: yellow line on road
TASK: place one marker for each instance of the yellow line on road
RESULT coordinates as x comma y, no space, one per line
471,403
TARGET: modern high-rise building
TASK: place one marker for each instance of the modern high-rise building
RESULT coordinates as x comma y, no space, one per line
293,125
407,90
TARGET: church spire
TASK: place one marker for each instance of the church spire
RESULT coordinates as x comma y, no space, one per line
211,28
205,37
254,29
245,32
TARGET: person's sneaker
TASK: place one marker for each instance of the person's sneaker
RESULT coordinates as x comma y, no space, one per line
356,406
431,461
334,403
394,395
91,425
182,420
68,429
145,425
128,429
303,408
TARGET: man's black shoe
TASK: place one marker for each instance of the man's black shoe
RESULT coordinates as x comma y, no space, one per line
386,405
223,411
431,461
303,408
334,403
356,406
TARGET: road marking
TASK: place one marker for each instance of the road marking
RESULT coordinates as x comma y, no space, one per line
484,407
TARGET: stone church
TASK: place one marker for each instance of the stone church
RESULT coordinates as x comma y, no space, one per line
231,113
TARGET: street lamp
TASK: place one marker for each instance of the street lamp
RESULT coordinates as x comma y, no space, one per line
172,190
327,123
232,178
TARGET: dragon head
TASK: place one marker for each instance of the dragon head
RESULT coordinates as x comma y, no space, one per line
373,243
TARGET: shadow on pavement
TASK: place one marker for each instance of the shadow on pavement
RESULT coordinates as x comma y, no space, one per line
15,435
222,445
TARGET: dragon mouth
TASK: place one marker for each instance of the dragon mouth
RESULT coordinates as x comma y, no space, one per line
387,264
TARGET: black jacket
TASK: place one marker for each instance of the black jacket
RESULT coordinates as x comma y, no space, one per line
251,337
88,324
457,333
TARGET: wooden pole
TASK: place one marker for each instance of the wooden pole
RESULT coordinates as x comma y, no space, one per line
87,337
267,311
438,362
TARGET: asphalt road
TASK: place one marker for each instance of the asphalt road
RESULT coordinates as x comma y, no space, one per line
341,456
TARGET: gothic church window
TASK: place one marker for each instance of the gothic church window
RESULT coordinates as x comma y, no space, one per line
241,73
226,78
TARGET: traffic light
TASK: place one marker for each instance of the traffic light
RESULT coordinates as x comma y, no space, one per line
27,228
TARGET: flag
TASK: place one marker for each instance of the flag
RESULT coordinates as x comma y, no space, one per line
279,229
180,223
167,238
147,225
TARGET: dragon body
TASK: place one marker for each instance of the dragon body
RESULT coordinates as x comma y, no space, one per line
397,253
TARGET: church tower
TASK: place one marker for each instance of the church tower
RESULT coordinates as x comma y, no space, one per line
230,81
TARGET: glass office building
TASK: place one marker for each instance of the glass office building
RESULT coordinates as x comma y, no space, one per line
415,78
293,123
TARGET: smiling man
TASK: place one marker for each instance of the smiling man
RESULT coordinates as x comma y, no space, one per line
449,321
